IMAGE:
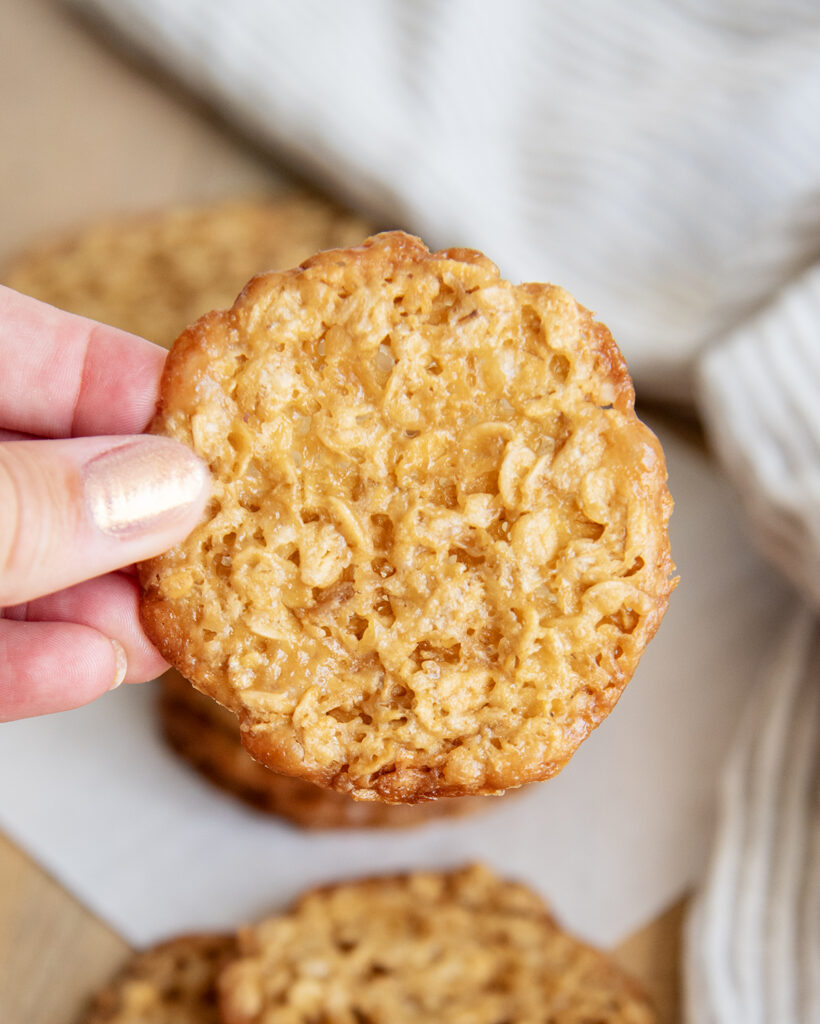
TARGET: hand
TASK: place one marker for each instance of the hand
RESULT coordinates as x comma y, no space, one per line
73,509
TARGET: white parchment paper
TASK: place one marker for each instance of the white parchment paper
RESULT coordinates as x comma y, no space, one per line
154,850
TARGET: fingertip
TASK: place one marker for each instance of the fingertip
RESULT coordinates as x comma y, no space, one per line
110,605
47,667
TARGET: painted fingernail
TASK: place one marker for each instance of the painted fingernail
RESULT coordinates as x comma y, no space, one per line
142,485
121,665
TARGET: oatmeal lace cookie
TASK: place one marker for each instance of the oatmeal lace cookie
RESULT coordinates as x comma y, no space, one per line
174,983
206,735
454,946
437,541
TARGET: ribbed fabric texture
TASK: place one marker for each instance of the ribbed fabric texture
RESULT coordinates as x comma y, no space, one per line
660,160
753,934
760,395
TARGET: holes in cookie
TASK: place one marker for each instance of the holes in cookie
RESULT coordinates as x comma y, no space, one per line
208,635
434,368
464,557
624,620
238,440
490,636
530,321
296,558
636,566
445,493
559,367
412,433
499,529
357,489
357,626
222,566
383,608
425,651
343,715
325,598
308,516
587,528
382,531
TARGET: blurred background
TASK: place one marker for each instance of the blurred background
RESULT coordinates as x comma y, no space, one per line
661,160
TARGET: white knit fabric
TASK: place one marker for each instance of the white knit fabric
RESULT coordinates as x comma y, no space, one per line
760,394
753,935
662,161
659,159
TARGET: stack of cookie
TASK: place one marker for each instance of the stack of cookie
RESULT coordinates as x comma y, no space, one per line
451,946
435,550
436,542
206,736
153,275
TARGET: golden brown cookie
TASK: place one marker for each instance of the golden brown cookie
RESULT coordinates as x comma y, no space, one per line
456,946
153,275
174,983
437,542
206,735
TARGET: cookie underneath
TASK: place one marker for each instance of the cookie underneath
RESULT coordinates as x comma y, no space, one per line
437,543
174,983
206,735
153,274
455,946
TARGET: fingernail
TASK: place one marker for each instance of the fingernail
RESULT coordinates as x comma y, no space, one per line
122,664
142,485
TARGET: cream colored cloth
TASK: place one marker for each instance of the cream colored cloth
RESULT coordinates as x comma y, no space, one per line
661,160
753,933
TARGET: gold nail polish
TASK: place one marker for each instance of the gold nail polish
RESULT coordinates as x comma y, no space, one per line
142,485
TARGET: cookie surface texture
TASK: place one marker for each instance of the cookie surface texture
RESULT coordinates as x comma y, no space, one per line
457,946
174,983
206,735
437,541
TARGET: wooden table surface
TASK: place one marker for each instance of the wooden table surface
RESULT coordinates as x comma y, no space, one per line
87,132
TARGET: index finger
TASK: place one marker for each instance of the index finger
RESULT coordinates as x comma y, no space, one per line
65,376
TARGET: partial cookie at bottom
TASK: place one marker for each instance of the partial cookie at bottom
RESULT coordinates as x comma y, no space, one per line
430,946
173,983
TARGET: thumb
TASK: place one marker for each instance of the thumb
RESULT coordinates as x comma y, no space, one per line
78,508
